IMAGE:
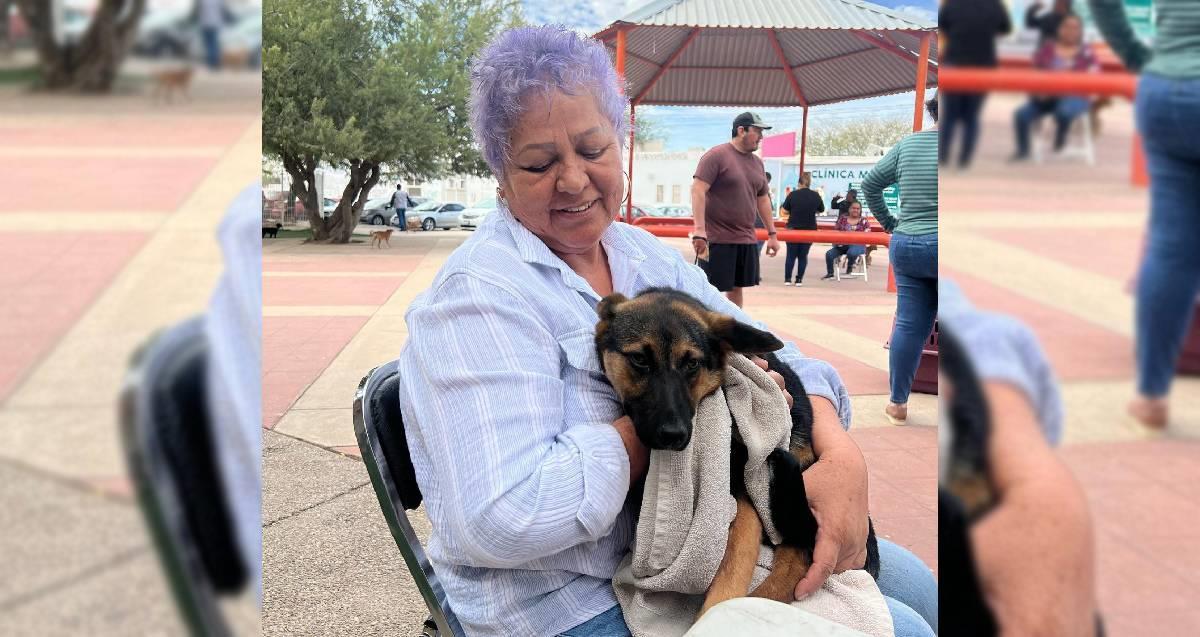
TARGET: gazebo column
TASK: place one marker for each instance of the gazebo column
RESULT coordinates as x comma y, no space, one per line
922,75
632,127
803,139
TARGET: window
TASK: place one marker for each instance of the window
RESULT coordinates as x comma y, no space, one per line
453,207
658,193
675,193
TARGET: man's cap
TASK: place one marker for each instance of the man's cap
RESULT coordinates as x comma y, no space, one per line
749,119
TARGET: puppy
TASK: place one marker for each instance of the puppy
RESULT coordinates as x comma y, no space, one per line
664,352
169,82
380,237
269,232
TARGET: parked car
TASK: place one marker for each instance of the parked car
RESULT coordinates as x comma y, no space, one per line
377,211
673,210
473,216
434,214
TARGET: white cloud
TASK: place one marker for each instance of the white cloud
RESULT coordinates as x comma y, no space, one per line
919,13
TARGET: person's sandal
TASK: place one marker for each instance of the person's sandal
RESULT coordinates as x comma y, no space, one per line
896,414
1150,413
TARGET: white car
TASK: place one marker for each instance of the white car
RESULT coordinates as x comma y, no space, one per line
473,216
434,214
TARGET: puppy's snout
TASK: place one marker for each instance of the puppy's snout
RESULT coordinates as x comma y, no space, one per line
674,436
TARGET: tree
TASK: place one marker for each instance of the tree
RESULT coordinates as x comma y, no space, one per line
91,64
857,137
372,86
646,129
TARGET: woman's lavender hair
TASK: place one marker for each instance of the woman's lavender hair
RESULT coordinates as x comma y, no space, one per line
521,61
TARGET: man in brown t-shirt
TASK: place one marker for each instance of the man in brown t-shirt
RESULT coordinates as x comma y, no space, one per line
729,190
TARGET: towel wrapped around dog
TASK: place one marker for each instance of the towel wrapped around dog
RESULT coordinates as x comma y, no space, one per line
687,509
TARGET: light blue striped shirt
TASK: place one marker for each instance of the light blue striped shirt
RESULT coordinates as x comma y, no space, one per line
509,422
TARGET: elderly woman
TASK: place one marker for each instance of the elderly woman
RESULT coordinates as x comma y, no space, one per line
518,441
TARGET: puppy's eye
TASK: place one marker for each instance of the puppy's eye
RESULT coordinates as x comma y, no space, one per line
639,360
691,365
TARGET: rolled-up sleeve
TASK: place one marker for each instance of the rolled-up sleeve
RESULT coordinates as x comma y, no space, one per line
881,176
818,376
482,382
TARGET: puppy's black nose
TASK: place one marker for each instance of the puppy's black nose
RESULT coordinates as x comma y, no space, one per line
674,436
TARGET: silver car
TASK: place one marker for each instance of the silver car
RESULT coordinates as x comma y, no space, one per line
435,214
473,216
376,211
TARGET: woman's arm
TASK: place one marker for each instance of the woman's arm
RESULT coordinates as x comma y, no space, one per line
1113,24
511,480
881,176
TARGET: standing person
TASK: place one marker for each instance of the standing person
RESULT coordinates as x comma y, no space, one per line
1047,22
853,221
729,190
400,202
911,163
801,207
1168,109
842,204
970,29
211,15
1067,52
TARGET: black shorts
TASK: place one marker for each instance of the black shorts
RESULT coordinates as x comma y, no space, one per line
731,265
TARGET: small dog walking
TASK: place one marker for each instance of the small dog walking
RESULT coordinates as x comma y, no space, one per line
171,82
380,237
271,232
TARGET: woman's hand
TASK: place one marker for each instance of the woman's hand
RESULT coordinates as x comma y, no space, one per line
639,456
775,376
837,494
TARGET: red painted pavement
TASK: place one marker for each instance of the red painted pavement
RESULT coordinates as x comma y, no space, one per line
295,352
125,132
329,290
47,282
1111,252
1078,350
90,184
381,263
902,468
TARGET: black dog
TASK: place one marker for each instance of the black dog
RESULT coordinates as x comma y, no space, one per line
663,352
269,232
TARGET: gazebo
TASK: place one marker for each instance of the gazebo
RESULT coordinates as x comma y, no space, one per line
769,53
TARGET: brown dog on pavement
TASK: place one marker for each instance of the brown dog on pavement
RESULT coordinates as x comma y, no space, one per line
169,82
380,237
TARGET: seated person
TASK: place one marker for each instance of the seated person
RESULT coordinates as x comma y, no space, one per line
1067,52
519,443
852,221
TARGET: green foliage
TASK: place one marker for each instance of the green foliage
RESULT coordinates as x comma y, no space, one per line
382,82
855,138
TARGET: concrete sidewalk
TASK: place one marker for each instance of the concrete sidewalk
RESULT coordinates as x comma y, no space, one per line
1057,245
108,234
331,313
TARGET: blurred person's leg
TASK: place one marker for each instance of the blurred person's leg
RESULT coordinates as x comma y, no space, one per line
802,256
914,261
972,109
212,47
907,581
831,255
852,253
1170,273
1065,112
1023,121
789,260
952,114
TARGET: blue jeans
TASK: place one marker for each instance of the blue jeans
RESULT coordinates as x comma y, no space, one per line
851,252
212,47
1064,109
959,109
906,582
1170,274
915,263
797,256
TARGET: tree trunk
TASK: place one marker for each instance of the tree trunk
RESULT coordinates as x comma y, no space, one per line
303,171
363,177
90,65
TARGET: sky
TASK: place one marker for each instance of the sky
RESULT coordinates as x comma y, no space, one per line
687,127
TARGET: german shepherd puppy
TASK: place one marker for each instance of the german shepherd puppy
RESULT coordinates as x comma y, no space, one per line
663,352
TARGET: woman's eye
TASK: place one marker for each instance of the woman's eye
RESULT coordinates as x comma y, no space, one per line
593,154
537,169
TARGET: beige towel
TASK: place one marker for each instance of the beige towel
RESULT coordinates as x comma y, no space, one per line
686,507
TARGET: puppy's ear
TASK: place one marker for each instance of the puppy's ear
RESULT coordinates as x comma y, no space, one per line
742,338
608,305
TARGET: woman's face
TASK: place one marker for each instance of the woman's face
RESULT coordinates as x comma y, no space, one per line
564,180
1070,32
855,210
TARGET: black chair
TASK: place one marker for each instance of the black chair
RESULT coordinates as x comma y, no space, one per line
167,438
379,427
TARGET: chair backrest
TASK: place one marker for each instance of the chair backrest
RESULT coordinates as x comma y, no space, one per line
379,427
167,437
